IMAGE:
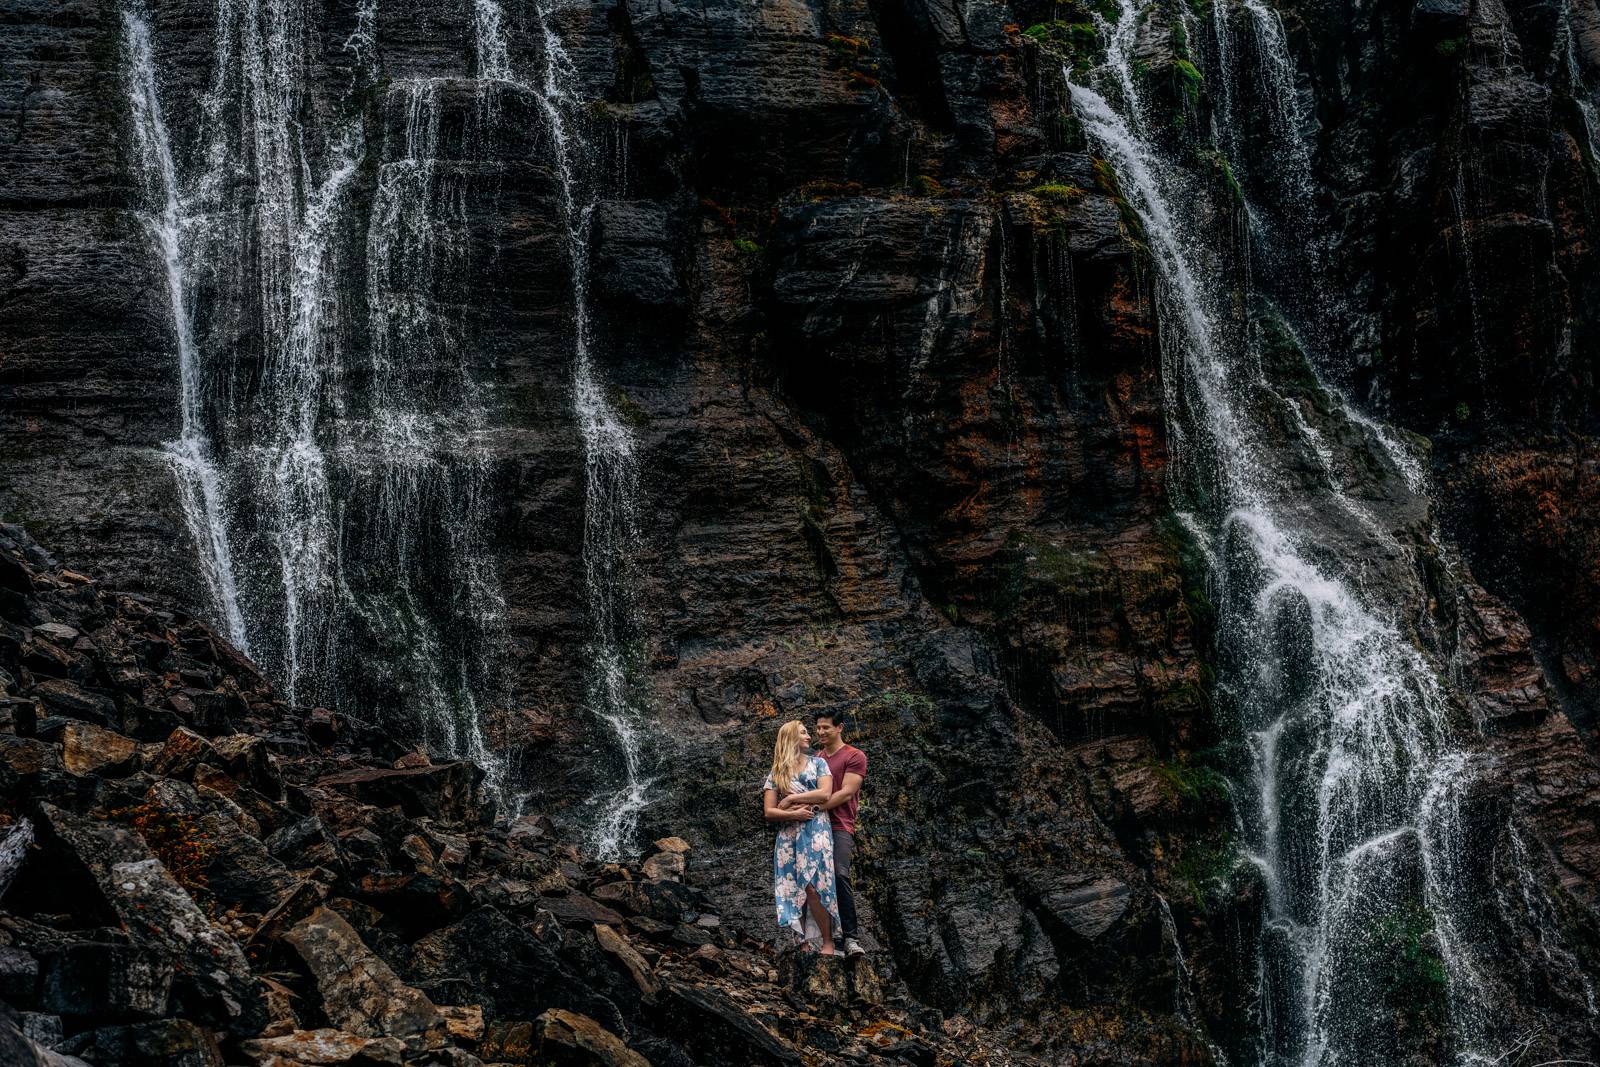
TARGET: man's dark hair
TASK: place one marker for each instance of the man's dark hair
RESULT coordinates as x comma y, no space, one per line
838,718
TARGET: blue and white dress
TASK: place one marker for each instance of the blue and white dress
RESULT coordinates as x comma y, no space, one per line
803,856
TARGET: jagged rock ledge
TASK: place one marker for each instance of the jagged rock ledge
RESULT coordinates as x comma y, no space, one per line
193,873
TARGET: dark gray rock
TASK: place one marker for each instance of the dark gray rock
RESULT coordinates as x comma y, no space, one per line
1088,910
445,791
568,1039
716,1027
174,1042
94,980
635,254
161,916
505,967
62,697
18,1049
19,975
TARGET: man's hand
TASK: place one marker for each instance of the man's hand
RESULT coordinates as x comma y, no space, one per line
789,801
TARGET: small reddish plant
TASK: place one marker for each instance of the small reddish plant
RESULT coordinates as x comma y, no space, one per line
178,841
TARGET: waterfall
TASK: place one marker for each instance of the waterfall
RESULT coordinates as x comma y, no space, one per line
615,687
421,448
356,462
617,693
200,490
1577,89
1356,768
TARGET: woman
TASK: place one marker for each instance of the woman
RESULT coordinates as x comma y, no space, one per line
802,858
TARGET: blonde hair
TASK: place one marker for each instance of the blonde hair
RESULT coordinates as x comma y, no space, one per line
786,756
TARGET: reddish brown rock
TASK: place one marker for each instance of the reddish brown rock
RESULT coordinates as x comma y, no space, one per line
568,1039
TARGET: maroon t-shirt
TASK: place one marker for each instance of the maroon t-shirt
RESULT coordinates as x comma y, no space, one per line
847,759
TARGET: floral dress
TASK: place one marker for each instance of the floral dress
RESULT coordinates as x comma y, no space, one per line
803,856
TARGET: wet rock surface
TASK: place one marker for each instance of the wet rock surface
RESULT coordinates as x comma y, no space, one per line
288,911
889,347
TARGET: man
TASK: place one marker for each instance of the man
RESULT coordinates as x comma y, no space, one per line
848,765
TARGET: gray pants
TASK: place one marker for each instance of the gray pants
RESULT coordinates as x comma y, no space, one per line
844,847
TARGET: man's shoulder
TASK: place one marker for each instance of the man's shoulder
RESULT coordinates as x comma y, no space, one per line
853,755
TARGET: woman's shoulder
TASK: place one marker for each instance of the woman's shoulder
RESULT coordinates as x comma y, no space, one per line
820,765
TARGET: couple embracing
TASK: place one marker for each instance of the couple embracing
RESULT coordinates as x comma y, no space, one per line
813,798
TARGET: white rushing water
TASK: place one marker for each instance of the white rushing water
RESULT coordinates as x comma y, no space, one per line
1351,804
420,449
616,690
360,474
200,490
1581,96
611,475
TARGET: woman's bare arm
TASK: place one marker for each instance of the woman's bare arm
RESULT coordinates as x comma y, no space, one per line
774,813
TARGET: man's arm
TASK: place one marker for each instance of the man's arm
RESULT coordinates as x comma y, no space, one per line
852,786
812,796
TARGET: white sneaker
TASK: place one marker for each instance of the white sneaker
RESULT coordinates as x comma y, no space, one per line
852,947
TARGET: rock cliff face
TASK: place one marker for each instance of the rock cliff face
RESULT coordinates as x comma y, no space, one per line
885,333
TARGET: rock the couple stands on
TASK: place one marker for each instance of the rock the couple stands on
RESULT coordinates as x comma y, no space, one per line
814,800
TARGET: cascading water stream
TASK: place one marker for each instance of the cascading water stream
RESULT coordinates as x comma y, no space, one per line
362,483
616,692
1581,96
1355,775
611,474
420,449
200,490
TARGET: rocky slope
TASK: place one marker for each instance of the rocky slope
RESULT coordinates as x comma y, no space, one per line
193,875
887,341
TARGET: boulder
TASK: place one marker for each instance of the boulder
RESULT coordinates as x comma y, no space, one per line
665,867
304,843
621,949
531,828
280,1009
327,1048
169,1042
18,715
24,762
667,901
360,993
421,902
104,981
44,1029
180,754
508,1041
158,912
706,1021
506,968
15,841
672,844
241,870
19,974
1089,909
447,792
849,983
567,1039
321,726
61,697
245,758
17,1048
89,749
463,1023
579,910
59,632
709,958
